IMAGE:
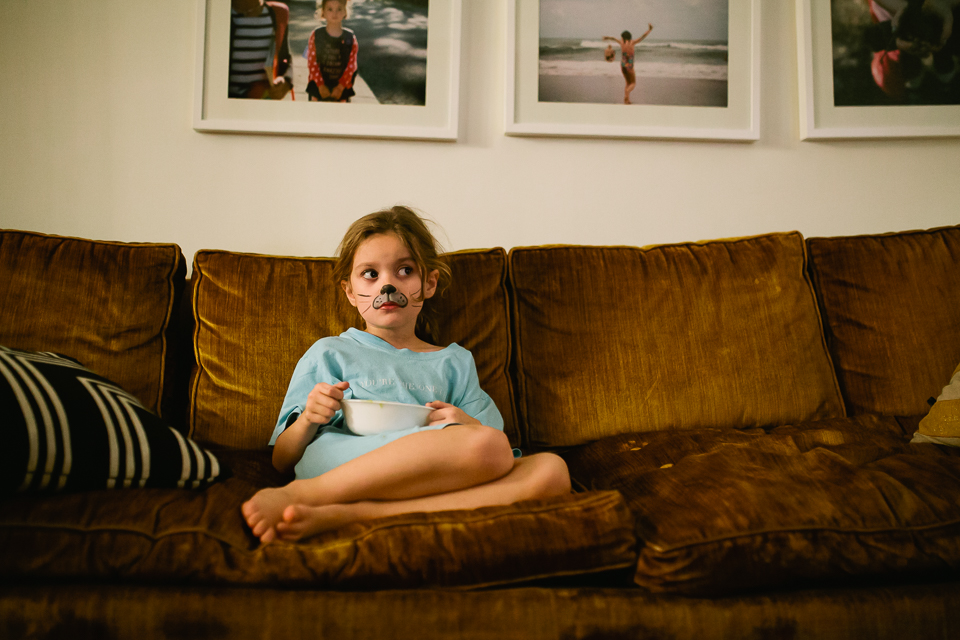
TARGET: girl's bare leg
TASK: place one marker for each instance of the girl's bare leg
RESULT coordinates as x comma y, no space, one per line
421,464
540,476
631,79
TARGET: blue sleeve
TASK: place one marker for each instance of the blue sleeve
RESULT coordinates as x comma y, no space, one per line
475,402
318,364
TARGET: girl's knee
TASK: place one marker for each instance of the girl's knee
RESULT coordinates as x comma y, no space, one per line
550,476
488,449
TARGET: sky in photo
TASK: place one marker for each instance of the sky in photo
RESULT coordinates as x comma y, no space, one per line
672,19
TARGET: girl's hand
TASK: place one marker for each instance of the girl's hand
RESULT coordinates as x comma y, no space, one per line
323,402
444,413
279,88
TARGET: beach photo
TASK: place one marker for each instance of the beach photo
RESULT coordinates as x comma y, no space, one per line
896,52
356,51
643,52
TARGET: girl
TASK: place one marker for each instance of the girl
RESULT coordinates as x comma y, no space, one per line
627,52
389,268
331,55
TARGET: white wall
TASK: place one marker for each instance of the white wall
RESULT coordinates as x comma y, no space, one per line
97,139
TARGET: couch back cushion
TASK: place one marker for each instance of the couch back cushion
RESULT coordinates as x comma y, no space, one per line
256,315
106,304
621,339
891,307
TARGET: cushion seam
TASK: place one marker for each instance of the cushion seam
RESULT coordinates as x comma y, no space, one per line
764,532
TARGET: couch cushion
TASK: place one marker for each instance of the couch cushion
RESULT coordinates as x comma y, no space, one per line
256,316
107,304
891,307
830,502
66,428
621,339
167,536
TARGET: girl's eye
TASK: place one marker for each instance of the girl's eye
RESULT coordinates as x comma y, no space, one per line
369,274
406,271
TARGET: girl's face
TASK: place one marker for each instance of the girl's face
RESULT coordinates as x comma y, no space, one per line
383,262
333,12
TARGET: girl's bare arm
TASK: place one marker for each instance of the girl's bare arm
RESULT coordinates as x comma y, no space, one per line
646,33
322,403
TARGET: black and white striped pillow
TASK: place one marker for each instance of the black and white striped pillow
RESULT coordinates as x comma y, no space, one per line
64,427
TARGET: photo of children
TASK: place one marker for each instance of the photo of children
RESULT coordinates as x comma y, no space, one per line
896,52
679,58
356,51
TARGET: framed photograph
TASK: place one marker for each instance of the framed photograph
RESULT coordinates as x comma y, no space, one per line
369,68
634,69
878,68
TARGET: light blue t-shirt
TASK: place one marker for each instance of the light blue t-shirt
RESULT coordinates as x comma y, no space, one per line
376,370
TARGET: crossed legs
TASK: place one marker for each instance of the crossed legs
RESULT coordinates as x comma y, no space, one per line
460,467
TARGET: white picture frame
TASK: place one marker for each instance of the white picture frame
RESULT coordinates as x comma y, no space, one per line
525,115
821,119
437,119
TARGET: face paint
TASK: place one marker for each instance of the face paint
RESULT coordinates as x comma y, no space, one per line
389,293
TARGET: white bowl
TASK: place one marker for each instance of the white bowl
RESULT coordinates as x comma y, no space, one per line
369,417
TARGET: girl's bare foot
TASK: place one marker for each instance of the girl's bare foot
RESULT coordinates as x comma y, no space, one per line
265,509
303,521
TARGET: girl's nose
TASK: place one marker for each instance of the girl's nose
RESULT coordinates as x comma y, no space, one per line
388,288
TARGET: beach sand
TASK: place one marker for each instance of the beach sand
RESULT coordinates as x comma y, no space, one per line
609,90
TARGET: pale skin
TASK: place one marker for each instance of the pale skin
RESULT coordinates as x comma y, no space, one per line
463,466
628,48
334,13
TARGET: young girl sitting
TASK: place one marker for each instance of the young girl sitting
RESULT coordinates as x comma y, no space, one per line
389,268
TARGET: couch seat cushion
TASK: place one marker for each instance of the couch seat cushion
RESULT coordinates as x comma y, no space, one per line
891,306
107,304
256,316
827,502
170,536
621,339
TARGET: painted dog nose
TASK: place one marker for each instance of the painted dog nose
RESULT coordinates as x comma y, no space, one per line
388,289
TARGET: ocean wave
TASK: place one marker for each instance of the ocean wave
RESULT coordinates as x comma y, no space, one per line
642,69
686,46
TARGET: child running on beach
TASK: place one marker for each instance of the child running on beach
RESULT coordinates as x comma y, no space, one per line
331,54
627,54
389,267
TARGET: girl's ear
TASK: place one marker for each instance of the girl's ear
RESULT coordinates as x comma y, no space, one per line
349,291
430,285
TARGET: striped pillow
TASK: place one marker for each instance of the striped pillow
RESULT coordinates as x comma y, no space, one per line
66,428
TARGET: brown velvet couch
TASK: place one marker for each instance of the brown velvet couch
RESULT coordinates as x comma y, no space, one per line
736,416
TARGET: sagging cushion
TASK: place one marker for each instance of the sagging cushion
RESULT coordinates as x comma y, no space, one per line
107,304
167,536
256,315
620,339
891,307
823,503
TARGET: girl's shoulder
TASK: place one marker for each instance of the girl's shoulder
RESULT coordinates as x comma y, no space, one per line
329,344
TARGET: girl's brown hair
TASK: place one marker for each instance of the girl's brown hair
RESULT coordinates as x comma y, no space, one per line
416,237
